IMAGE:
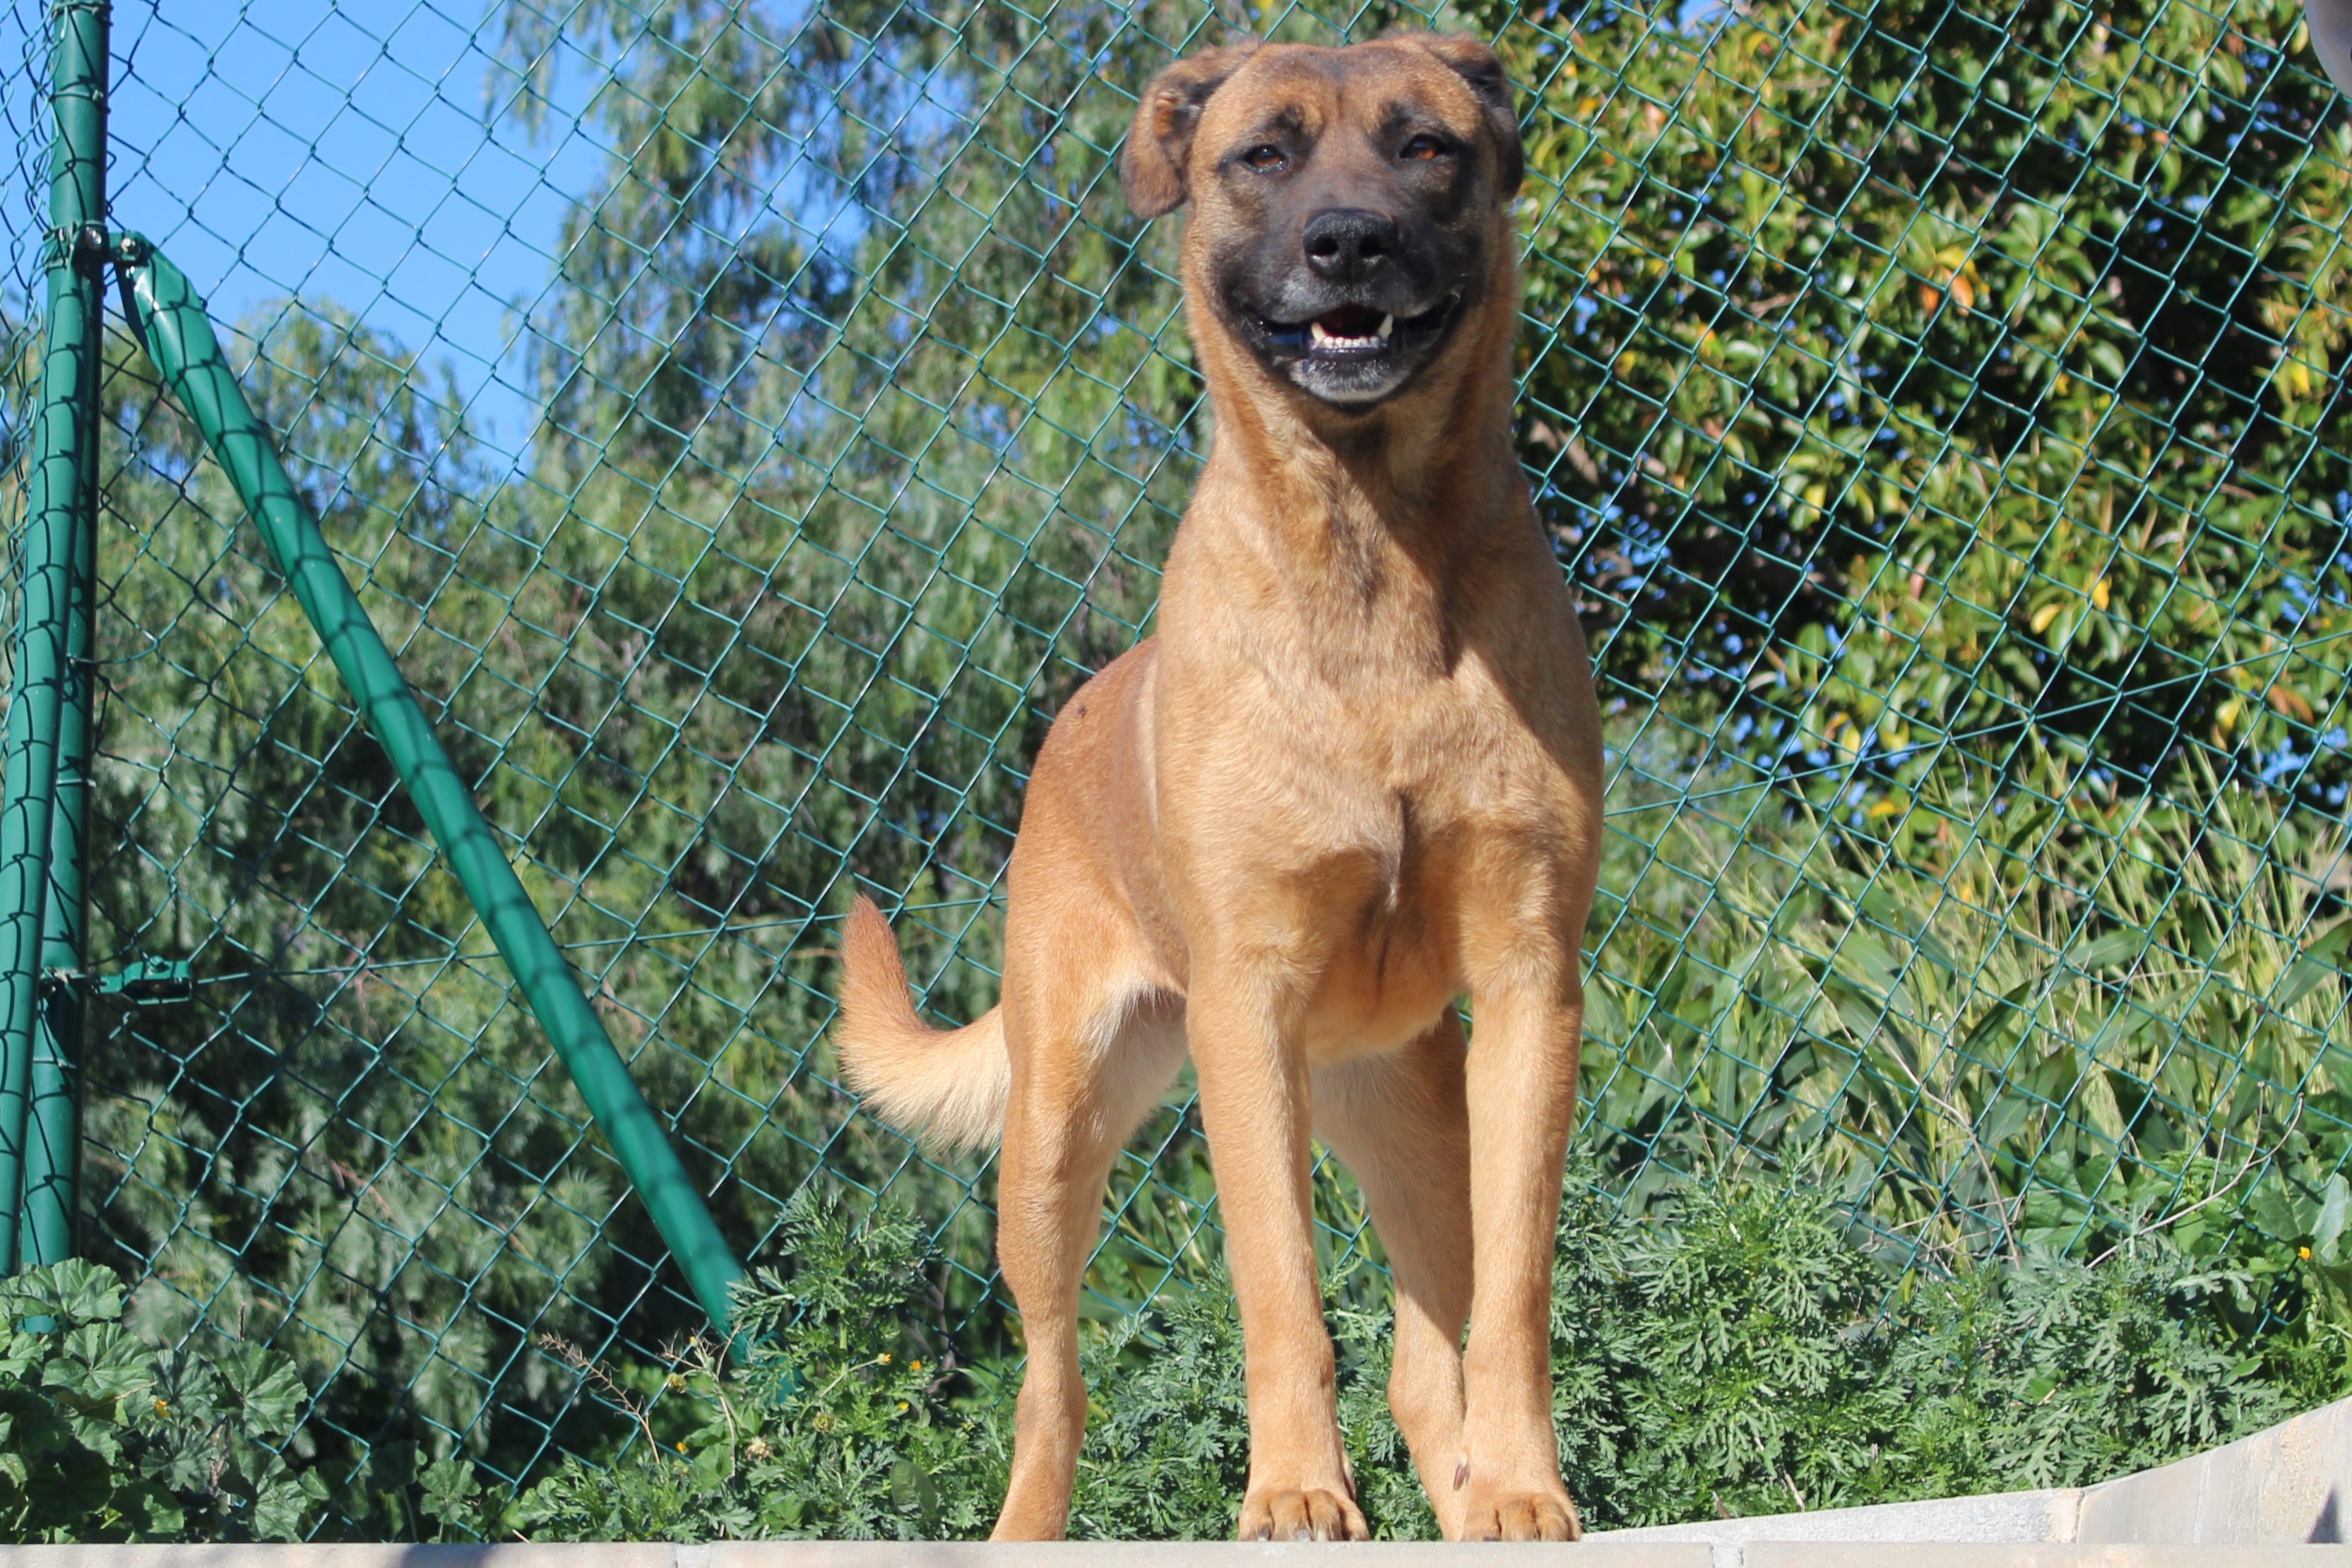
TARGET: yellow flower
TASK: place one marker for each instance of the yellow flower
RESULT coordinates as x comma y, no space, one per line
884,1359
902,1407
680,1446
2302,1252
914,1366
163,1409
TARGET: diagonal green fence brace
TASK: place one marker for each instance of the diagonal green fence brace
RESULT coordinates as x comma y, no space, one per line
172,325
43,820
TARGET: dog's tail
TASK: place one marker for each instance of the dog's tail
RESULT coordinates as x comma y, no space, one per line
949,1085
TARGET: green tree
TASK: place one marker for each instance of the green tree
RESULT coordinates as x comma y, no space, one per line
1917,377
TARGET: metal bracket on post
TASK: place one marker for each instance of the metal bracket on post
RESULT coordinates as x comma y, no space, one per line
149,981
146,981
91,251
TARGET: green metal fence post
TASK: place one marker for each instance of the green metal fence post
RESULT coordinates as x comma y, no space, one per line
47,724
178,337
53,1125
53,1141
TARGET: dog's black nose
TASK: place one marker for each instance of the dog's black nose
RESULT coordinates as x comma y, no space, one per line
1347,244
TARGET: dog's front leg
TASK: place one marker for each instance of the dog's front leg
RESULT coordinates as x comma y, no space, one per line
1255,1106
1522,1096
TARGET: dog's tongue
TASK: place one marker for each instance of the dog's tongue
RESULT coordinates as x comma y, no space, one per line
1350,321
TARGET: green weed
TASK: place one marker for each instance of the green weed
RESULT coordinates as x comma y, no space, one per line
1741,1351
834,1421
104,1437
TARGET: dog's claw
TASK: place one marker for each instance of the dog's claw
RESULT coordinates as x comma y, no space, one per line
1462,1473
1523,1517
1304,1514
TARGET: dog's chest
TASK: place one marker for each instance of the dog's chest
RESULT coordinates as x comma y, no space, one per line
1383,960
1342,807
1450,812
1392,787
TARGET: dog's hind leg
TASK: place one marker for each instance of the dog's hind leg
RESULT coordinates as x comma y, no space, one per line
1093,1048
1403,1126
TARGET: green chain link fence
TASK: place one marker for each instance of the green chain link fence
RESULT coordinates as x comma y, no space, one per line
746,422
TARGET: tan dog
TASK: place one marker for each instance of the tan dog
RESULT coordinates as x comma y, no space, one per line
1355,777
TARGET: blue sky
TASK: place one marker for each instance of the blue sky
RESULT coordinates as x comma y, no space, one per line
349,152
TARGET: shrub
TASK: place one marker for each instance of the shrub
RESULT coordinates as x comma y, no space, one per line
105,1439
834,1421
1739,1352
1744,1355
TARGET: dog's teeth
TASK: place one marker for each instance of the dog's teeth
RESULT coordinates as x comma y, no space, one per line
1323,336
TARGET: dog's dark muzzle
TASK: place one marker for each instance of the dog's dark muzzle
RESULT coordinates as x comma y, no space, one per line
1353,311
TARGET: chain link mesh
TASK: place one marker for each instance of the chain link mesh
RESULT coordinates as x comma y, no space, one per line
748,422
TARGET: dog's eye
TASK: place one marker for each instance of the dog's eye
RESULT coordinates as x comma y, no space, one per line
1422,149
1266,157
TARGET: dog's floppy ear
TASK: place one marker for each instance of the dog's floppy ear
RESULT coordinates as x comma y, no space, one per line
1152,167
1476,64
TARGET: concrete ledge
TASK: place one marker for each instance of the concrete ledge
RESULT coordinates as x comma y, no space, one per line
2292,1482
2291,1485
1597,1552
2047,1554
2003,1518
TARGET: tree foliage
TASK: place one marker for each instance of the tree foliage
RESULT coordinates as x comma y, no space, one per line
1961,371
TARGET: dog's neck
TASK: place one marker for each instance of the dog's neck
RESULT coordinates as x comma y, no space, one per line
1394,511
1405,465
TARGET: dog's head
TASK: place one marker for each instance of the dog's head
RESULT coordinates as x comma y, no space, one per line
1349,205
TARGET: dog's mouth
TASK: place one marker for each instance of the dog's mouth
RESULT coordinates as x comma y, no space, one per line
1351,333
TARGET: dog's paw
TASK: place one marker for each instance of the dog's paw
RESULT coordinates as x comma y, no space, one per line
1290,1514
1507,1513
